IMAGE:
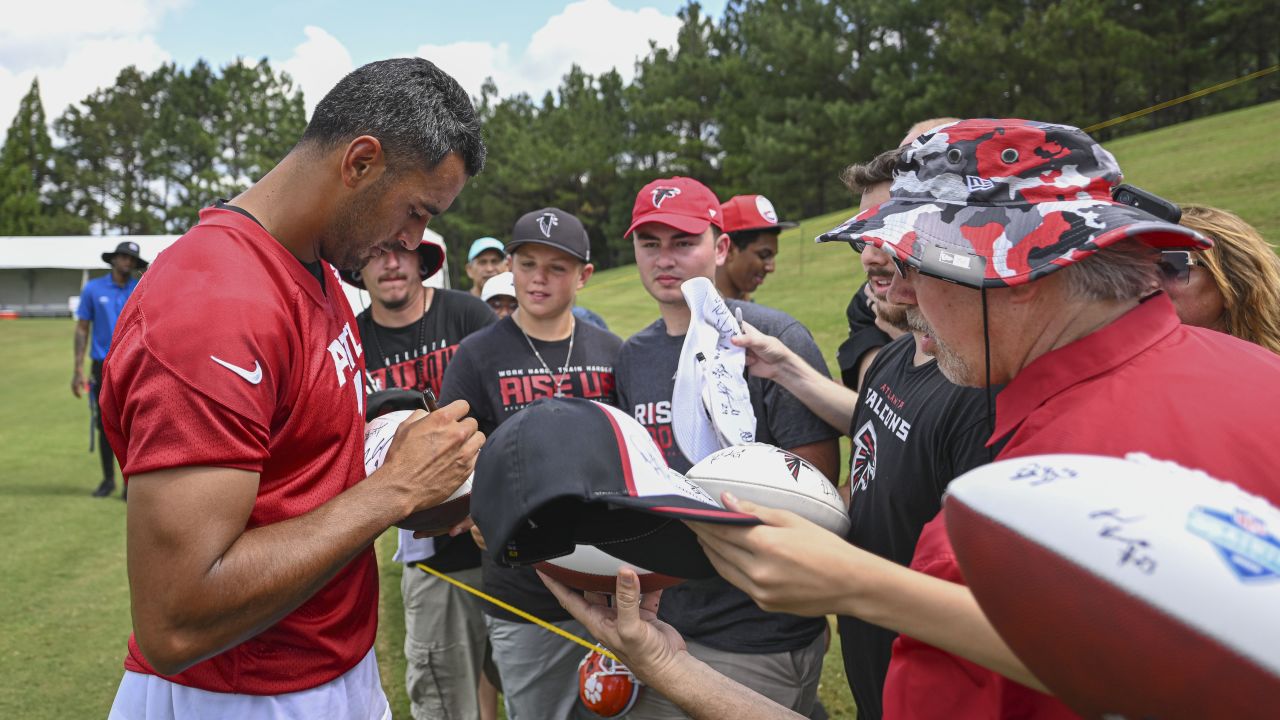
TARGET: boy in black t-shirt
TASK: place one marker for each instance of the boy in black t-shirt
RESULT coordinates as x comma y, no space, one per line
676,238
409,333
539,351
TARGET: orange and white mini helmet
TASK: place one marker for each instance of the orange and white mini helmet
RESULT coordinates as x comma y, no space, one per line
606,686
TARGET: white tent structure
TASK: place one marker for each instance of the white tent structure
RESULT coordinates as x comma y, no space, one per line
42,276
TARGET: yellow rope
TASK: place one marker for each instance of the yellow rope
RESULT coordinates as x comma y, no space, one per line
1184,98
517,611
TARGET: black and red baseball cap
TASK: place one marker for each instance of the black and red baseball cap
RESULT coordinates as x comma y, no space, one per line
536,497
680,202
751,212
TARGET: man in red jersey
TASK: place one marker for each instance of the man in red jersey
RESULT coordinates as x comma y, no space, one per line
238,418
1017,269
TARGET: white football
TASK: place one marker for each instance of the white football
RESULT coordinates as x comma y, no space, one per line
1130,587
592,569
771,476
378,434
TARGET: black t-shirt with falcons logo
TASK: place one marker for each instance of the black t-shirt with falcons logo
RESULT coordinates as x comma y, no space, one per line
496,372
913,432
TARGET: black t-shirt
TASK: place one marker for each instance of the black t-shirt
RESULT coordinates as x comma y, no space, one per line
913,432
712,611
414,357
499,375
864,337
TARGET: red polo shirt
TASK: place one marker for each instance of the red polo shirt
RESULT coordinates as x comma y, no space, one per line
1144,383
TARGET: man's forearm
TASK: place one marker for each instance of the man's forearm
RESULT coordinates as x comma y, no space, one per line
705,694
933,611
824,397
265,574
82,342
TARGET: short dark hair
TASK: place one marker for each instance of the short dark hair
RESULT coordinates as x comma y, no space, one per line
416,110
860,176
741,239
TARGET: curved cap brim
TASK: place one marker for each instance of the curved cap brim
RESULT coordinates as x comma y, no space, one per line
683,223
1004,245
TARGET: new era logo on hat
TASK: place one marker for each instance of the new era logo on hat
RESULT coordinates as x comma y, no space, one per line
535,497
750,212
555,228
679,202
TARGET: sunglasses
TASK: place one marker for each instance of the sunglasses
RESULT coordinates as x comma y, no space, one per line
1175,266
859,245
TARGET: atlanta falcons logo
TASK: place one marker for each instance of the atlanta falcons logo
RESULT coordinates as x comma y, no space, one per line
661,194
547,221
862,467
794,463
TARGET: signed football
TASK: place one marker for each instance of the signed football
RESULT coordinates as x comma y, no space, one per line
773,477
1130,587
378,434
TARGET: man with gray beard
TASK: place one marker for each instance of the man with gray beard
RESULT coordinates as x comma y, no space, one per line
912,431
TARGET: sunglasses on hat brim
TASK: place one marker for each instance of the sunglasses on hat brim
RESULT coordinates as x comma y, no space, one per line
1175,266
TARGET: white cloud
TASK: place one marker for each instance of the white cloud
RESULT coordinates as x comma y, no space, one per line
44,33
317,65
88,66
74,47
592,33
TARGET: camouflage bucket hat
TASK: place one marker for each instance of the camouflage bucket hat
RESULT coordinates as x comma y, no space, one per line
994,203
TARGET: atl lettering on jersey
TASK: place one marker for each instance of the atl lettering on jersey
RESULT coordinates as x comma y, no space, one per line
346,351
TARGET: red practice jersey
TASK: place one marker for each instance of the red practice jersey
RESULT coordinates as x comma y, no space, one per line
230,355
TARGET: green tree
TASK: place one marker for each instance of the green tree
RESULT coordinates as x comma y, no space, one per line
183,144
28,175
260,115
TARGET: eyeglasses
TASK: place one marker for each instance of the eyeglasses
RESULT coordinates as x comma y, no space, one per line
1175,266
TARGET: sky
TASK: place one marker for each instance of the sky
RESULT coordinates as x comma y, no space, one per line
76,46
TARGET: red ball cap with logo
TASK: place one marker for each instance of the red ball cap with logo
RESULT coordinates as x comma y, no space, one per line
679,202
750,212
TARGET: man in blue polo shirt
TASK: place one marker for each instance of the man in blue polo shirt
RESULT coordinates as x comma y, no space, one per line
100,304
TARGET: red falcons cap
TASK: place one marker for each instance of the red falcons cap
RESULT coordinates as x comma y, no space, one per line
751,212
683,203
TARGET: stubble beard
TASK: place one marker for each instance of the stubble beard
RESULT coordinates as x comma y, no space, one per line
346,244
952,365
895,315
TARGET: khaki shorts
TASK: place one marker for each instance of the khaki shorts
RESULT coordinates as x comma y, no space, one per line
444,645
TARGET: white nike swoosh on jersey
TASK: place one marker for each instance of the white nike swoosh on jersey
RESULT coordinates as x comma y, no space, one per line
253,377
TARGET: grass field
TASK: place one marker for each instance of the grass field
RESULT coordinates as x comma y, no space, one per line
64,611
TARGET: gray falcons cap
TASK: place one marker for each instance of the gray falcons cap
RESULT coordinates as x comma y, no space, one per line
553,227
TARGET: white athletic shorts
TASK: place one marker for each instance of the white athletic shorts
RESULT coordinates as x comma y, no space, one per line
354,695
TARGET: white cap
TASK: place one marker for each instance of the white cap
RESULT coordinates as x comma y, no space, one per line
500,284
710,404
